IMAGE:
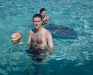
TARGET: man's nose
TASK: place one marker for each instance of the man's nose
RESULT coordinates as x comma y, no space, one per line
36,22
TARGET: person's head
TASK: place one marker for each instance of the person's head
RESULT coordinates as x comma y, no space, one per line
37,20
43,12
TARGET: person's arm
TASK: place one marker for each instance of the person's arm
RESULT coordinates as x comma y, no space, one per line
29,39
50,43
48,18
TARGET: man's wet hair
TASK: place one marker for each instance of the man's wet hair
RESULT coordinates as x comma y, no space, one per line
42,9
38,15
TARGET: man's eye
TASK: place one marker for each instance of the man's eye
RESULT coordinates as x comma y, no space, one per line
38,21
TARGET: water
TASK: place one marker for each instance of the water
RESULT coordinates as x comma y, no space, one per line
70,56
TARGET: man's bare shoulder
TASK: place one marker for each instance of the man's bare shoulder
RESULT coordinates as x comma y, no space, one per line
31,31
47,32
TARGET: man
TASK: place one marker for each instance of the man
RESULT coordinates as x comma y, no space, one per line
39,38
44,16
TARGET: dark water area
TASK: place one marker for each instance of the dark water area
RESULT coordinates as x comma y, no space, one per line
62,32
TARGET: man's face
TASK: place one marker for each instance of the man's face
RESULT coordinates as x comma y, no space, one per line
37,22
43,14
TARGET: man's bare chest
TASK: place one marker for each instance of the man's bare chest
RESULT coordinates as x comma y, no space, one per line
38,38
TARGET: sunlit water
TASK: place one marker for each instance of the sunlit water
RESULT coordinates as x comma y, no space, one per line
70,56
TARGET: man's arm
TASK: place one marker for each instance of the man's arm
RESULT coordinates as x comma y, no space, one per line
50,43
29,39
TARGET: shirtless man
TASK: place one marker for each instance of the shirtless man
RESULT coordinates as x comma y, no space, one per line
44,16
38,39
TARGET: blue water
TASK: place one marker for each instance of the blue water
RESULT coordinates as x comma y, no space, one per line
70,56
